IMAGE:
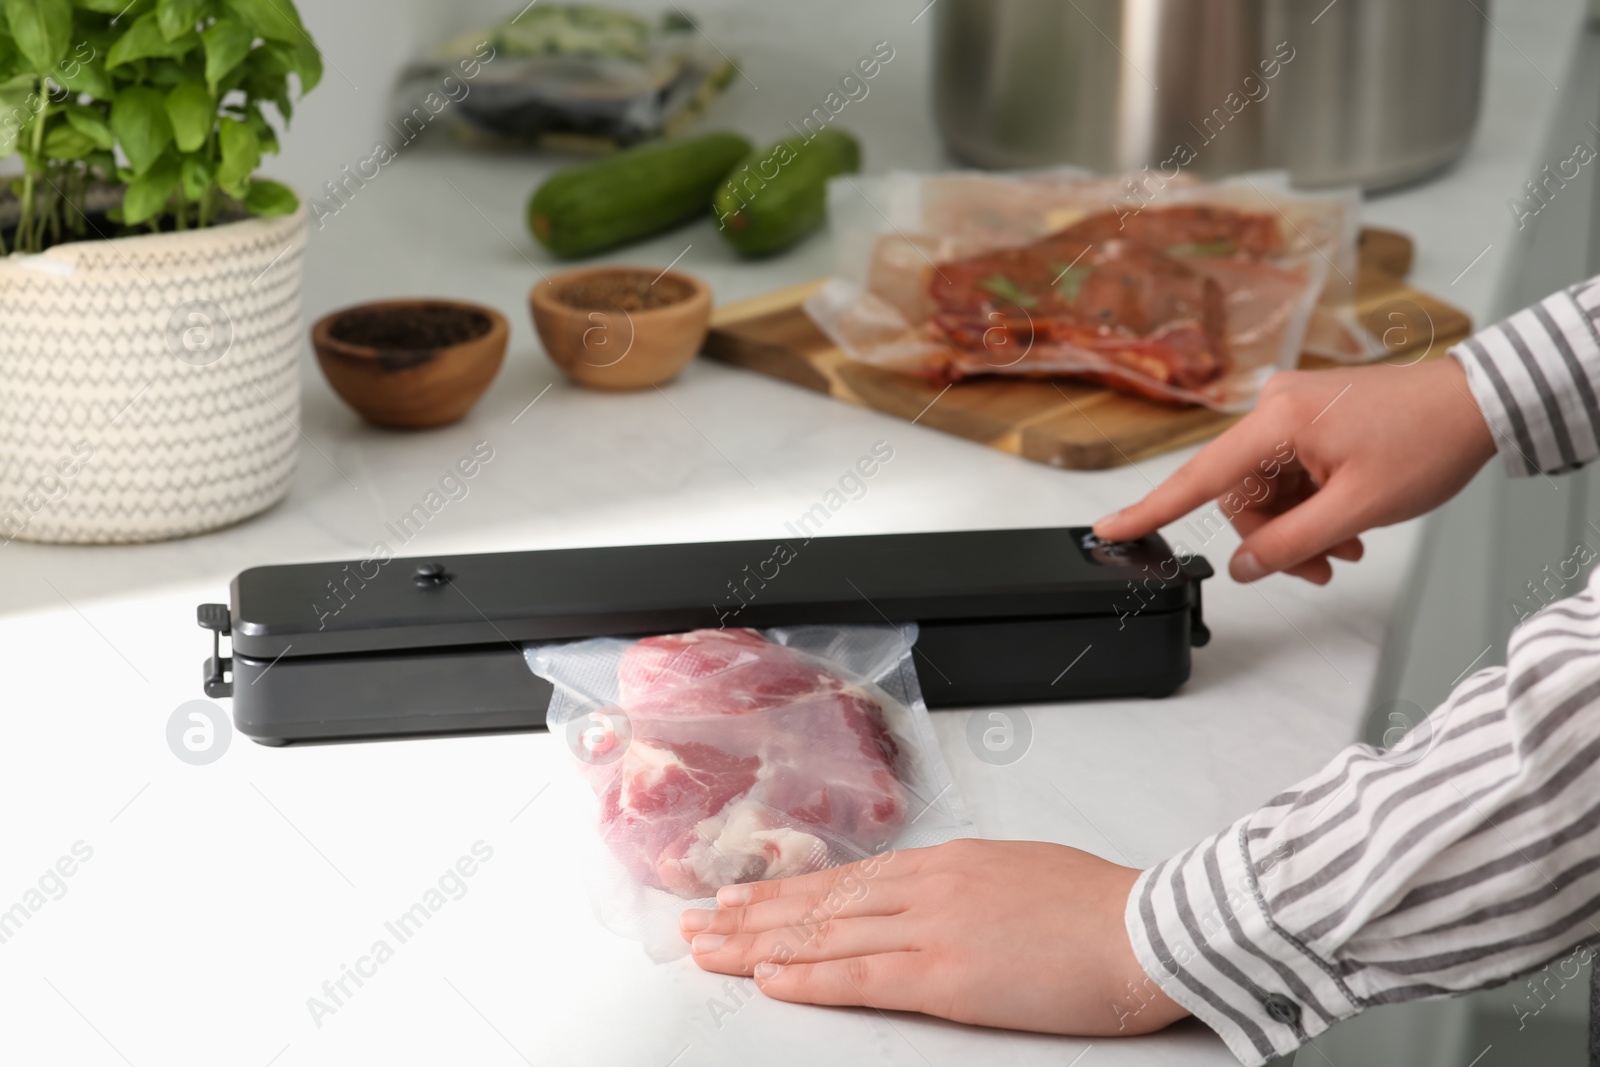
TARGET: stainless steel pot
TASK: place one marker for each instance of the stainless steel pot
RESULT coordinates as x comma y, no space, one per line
1358,92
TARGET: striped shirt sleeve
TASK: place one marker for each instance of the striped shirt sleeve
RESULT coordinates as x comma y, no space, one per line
1535,376
1465,855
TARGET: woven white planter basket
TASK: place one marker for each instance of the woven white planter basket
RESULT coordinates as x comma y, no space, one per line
149,386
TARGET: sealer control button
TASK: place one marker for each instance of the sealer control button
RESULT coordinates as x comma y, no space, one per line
431,574
1106,550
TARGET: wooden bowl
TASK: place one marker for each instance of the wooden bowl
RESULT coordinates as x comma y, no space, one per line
621,349
406,387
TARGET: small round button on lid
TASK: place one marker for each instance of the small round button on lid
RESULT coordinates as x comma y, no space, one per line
431,574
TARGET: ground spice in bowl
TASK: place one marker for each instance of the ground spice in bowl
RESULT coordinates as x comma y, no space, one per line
624,291
410,327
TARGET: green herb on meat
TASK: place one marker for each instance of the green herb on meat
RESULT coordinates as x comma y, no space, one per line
1007,290
1070,282
1213,248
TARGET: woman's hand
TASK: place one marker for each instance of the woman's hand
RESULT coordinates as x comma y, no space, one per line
1014,934
1324,456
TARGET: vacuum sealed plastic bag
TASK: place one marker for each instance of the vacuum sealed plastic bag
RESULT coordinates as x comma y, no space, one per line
572,76
1186,293
723,756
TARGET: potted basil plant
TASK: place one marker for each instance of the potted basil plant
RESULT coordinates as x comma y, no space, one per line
150,287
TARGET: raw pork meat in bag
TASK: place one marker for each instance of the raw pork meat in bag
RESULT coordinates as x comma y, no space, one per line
729,755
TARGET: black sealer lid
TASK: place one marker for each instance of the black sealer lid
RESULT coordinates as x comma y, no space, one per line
312,609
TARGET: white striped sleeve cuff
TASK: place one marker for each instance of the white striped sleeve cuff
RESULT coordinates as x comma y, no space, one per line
1200,929
1536,376
1465,854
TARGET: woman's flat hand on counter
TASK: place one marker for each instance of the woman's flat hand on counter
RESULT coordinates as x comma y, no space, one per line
1015,934
1324,456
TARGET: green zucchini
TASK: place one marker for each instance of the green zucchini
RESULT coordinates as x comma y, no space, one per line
777,195
633,194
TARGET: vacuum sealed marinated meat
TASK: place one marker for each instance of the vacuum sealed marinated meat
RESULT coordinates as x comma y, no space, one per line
1187,229
723,756
1134,306
1173,289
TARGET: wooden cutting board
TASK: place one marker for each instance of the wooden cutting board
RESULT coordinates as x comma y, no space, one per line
1059,422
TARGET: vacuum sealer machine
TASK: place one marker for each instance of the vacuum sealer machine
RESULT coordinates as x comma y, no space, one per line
433,645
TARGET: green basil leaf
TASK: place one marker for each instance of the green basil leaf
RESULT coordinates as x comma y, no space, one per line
162,73
92,124
1008,291
144,40
192,113
227,42
84,76
103,31
230,81
271,198
14,110
113,7
104,162
241,155
266,69
42,30
266,136
139,119
9,56
148,194
177,17
64,141
196,176
272,63
307,65
276,20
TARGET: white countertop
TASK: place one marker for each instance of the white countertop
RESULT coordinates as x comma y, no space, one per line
218,899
